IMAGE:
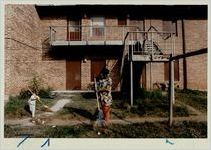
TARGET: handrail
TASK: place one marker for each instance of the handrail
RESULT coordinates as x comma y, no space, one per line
87,32
162,32
120,26
165,32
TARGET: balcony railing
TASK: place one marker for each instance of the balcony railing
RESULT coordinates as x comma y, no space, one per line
149,44
89,33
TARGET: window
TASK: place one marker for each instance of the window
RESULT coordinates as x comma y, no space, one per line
97,26
122,22
74,30
169,26
176,71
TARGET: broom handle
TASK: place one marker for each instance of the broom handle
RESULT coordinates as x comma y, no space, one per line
30,90
33,93
96,92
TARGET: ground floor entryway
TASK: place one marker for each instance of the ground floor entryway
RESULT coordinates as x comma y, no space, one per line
73,74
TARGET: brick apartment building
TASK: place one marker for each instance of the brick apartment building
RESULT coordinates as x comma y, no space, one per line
67,46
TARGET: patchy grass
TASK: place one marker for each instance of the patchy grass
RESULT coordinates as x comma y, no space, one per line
150,104
153,103
80,108
194,98
17,106
83,106
142,130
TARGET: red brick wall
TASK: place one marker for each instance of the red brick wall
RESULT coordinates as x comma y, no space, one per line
26,51
196,39
85,74
23,51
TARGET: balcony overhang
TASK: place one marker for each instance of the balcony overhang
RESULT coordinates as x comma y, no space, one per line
87,43
85,50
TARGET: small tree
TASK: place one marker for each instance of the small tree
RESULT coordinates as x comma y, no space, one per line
35,84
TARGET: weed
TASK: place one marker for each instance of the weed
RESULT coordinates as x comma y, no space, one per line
15,107
45,92
35,84
66,131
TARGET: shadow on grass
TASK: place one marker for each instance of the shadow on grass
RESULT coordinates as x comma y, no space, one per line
82,112
115,95
118,116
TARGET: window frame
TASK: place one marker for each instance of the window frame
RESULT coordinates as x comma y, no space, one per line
94,28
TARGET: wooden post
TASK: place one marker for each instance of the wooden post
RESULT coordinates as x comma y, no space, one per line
172,82
171,87
131,83
131,75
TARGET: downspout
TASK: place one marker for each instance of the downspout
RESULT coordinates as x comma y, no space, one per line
184,59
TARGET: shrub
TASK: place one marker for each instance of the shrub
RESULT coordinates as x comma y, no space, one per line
45,92
16,107
24,94
35,84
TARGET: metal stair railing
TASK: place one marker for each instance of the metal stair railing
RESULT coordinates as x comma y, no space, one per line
159,42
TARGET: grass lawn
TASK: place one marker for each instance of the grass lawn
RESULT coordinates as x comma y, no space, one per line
83,106
152,104
144,130
194,98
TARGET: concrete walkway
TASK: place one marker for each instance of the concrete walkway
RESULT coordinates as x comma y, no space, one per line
60,104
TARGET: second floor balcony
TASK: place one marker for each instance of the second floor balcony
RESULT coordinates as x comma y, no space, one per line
77,35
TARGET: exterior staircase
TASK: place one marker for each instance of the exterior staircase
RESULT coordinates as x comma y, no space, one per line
142,47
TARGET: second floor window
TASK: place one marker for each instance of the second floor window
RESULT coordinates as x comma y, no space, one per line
97,26
170,26
122,22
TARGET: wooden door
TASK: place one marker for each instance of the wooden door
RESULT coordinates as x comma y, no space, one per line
96,67
73,75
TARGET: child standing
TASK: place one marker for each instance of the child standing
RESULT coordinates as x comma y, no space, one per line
32,104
